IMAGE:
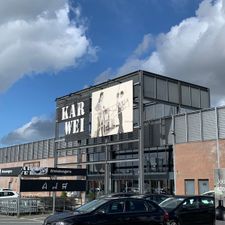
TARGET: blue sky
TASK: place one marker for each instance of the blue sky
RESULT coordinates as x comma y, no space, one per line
52,48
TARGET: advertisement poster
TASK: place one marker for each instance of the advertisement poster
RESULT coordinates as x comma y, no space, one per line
220,196
112,110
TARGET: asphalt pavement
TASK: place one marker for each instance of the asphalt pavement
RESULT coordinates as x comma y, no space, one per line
26,220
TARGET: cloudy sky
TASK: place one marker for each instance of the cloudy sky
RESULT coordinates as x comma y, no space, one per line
52,48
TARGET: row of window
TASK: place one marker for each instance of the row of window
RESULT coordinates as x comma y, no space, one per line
203,186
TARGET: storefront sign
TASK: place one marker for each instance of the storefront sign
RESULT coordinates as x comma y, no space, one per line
75,116
10,172
112,110
50,171
52,185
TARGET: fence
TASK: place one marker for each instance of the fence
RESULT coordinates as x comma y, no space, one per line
9,206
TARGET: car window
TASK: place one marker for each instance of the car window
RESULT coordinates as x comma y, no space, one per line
171,203
206,202
151,207
190,203
10,194
90,206
113,207
134,205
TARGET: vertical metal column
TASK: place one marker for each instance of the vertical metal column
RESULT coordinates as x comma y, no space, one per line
55,163
141,135
107,178
19,197
217,139
174,155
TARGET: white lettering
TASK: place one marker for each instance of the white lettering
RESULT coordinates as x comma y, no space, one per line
76,124
81,124
72,111
55,187
45,186
80,108
64,186
65,113
68,127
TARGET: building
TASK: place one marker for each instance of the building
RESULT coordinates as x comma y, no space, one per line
150,145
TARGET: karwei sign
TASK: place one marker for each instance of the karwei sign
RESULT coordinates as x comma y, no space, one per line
75,116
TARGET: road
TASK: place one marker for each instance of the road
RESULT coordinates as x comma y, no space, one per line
23,220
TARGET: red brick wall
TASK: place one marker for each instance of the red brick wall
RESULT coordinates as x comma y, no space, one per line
197,160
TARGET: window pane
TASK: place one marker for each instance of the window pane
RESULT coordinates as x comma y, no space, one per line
189,187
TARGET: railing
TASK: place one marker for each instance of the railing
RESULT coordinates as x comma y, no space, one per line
9,206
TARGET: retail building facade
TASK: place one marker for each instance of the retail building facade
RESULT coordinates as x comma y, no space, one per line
148,145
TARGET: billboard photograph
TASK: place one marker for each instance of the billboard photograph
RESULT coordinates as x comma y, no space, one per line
112,110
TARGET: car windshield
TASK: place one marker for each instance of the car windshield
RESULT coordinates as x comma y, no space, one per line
90,206
171,203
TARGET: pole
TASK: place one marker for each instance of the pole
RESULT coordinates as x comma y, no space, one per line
141,135
19,197
55,165
174,155
217,139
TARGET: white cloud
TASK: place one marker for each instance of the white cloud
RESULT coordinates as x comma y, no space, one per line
104,76
38,128
192,50
38,36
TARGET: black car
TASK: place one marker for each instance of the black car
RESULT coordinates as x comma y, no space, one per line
112,211
190,210
158,198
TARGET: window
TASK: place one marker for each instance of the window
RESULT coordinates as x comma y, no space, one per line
189,187
190,203
114,207
136,206
205,202
203,186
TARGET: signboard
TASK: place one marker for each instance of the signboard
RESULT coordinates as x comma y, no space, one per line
50,171
75,116
10,172
112,110
220,196
52,185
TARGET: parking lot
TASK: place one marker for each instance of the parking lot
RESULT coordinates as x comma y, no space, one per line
26,220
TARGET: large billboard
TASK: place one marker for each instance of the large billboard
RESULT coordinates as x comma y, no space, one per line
112,110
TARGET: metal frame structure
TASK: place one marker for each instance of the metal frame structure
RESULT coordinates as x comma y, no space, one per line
142,98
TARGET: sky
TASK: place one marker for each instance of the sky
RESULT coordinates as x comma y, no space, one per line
51,48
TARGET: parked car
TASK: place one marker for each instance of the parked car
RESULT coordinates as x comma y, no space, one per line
190,210
158,198
119,194
8,193
112,211
209,193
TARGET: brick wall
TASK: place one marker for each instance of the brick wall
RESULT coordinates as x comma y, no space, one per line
197,160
